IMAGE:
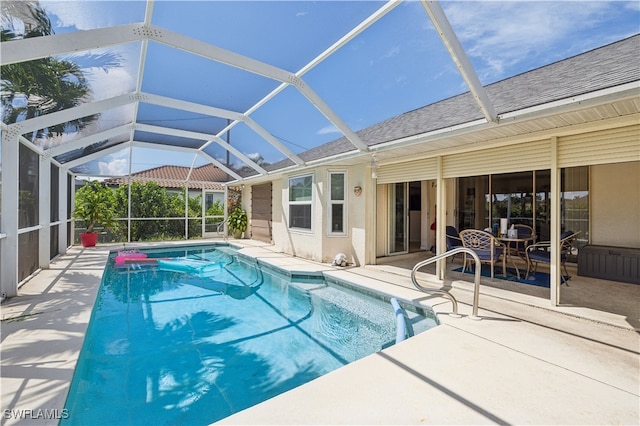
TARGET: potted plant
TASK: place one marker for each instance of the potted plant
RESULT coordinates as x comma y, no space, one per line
94,205
237,222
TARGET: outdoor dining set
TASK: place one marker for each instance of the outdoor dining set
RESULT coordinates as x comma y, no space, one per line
498,248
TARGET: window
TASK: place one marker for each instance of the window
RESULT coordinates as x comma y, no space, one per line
300,197
525,197
337,210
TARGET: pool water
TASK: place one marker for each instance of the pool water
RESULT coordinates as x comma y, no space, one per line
166,346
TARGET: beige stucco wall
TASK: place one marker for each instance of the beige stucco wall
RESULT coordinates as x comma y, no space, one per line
615,204
317,245
293,242
354,243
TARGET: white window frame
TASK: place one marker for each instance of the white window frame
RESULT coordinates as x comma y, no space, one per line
300,203
330,203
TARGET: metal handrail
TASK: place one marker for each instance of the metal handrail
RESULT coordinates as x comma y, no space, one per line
476,280
220,229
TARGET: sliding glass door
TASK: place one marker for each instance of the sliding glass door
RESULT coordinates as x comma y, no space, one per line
525,198
399,214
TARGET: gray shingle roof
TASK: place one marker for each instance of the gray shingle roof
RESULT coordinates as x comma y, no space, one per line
607,66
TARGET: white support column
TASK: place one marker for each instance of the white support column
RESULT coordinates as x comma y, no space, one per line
226,211
186,210
371,234
129,185
203,209
425,216
73,203
441,220
556,217
44,212
62,210
9,218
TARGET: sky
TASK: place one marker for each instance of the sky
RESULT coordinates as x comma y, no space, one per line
397,65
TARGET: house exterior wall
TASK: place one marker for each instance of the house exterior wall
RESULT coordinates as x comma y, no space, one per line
318,244
297,242
279,226
614,198
353,244
615,204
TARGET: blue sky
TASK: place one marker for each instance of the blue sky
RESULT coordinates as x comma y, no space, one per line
397,65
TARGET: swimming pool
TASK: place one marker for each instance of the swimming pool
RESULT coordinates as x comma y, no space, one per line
206,332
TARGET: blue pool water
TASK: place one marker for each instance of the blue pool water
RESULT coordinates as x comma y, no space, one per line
192,344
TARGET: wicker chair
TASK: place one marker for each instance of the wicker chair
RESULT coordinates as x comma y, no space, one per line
486,246
524,231
539,252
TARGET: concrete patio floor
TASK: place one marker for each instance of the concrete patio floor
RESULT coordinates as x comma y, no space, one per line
524,362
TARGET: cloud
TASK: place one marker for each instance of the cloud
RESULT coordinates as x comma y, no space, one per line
503,34
89,15
327,130
633,6
73,14
301,14
112,83
115,167
394,51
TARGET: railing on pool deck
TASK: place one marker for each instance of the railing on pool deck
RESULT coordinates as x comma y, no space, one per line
401,324
220,230
476,280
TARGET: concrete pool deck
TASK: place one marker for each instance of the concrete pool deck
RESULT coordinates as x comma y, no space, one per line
524,362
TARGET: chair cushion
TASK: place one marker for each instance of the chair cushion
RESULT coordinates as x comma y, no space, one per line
452,243
485,255
543,256
540,255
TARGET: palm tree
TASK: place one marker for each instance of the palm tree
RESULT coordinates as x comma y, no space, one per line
46,85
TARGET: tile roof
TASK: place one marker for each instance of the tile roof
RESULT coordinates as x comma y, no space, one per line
601,68
207,176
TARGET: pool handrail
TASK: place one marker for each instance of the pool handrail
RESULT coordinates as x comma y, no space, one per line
220,228
401,324
445,293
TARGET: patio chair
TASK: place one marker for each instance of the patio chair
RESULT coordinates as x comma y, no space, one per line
524,231
453,239
539,252
486,246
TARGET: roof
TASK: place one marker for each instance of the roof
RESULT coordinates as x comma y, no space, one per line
609,66
203,177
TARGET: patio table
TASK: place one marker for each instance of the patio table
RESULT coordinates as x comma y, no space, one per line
511,244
